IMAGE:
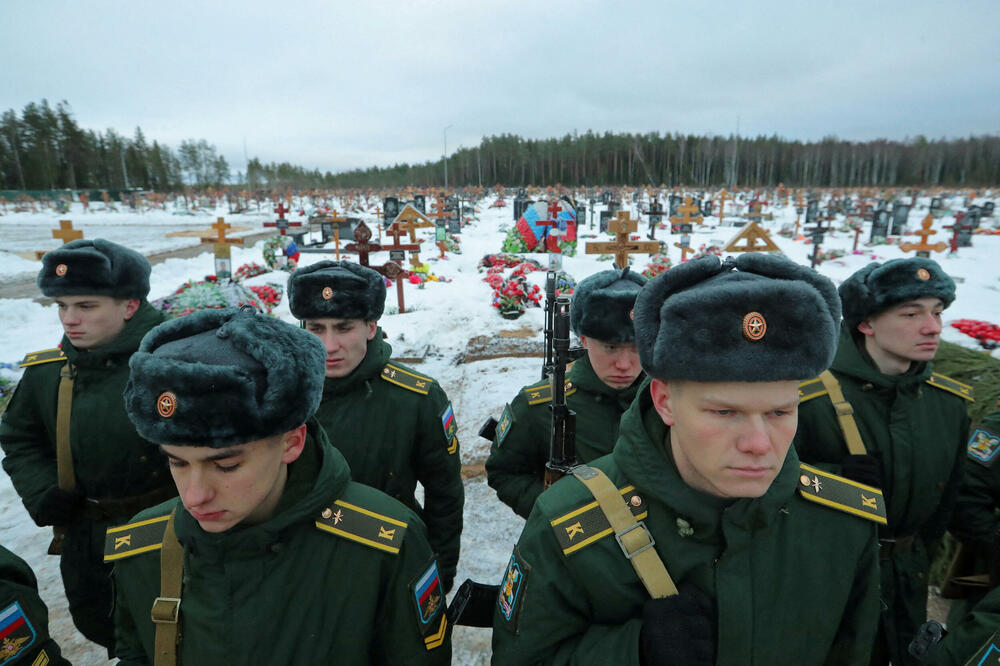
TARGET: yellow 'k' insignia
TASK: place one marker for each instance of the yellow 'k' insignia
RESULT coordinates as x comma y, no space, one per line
386,534
869,502
573,530
421,384
123,541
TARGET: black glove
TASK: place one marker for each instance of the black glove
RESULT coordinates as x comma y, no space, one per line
58,507
678,629
863,469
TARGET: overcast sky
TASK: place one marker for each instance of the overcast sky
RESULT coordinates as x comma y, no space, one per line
339,85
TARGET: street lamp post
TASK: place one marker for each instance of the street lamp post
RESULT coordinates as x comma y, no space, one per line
446,156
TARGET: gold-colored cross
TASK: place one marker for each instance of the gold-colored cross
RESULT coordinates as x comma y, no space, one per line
924,246
621,226
66,232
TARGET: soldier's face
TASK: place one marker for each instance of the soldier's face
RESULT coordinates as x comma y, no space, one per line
615,363
92,321
904,333
346,342
222,488
728,439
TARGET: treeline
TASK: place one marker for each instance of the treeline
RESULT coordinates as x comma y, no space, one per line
44,149
699,161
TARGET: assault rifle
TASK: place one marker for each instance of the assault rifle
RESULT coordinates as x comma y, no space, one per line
562,446
550,304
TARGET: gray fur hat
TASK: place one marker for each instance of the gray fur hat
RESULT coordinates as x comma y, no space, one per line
877,287
755,318
94,268
336,289
222,377
602,305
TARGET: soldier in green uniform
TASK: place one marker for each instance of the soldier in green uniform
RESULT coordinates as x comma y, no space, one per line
24,619
599,388
71,452
701,539
882,417
271,555
394,425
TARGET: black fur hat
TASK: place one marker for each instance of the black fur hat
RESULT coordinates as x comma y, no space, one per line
877,287
336,289
222,377
755,318
94,268
602,305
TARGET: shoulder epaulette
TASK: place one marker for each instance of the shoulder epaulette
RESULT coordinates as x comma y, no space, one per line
44,356
541,393
359,524
840,493
811,388
587,524
407,379
951,386
135,538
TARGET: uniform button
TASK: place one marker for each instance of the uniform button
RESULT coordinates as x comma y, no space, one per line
867,386
143,459
156,473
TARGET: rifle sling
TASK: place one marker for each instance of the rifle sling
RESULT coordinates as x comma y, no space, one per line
64,453
166,607
845,414
632,535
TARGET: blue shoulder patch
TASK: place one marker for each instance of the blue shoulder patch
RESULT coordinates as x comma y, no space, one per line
16,632
512,589
983,447
503,426
450,427
428,595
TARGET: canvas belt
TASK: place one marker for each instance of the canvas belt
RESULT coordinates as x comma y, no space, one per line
166,611
632,535
888,548
64,453
126,507
845,414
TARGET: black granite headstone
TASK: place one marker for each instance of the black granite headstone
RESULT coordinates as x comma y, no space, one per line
420,203
900,213
397,255
880,226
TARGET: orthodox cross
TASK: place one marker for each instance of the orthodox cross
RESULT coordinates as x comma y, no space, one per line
723,198
395,232
816,236
66,232
751,238
362,244
396,273
223,251
685,211
924,248
622,225
281,223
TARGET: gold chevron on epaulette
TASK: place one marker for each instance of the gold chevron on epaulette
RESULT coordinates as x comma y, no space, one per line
134,539
948,384
843,494
811,388
44,356
582,527
540,393
408,380
359,524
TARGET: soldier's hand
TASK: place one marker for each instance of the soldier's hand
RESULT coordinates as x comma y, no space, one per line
863,469
678,629
58,507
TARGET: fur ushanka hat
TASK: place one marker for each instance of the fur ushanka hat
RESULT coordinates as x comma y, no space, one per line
338,290
94,268
222,377
755,318
602,305
877,287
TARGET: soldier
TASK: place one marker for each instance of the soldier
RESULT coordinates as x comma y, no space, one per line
71,452
599,387
886,419
24,619
395,426
284,559
776,560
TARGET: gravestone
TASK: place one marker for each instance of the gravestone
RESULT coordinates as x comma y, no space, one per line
706,208
675,201
900,213
880,226
812,211
936,209
420,202
605,220
988,209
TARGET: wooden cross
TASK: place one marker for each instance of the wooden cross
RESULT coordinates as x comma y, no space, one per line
751,238
409,220
924,248
281,223
684,213
223,251
281,209
723,197
395,231
622,225
684,250
396,273
362,244
66,232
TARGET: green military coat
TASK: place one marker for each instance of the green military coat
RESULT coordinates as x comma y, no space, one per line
396,427
516,465
975,520
341,574
976,634
24,619
109,459
793,581
915,424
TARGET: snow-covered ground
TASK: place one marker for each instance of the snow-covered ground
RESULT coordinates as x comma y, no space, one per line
440,321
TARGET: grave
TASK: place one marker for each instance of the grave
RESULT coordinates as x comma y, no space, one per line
622,226
66,233
751,238
880,226
924,248
900,213
223,249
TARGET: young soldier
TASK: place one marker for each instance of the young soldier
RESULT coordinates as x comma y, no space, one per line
284,559
24,619
394,425
599,388
889,421
71,452
775,561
